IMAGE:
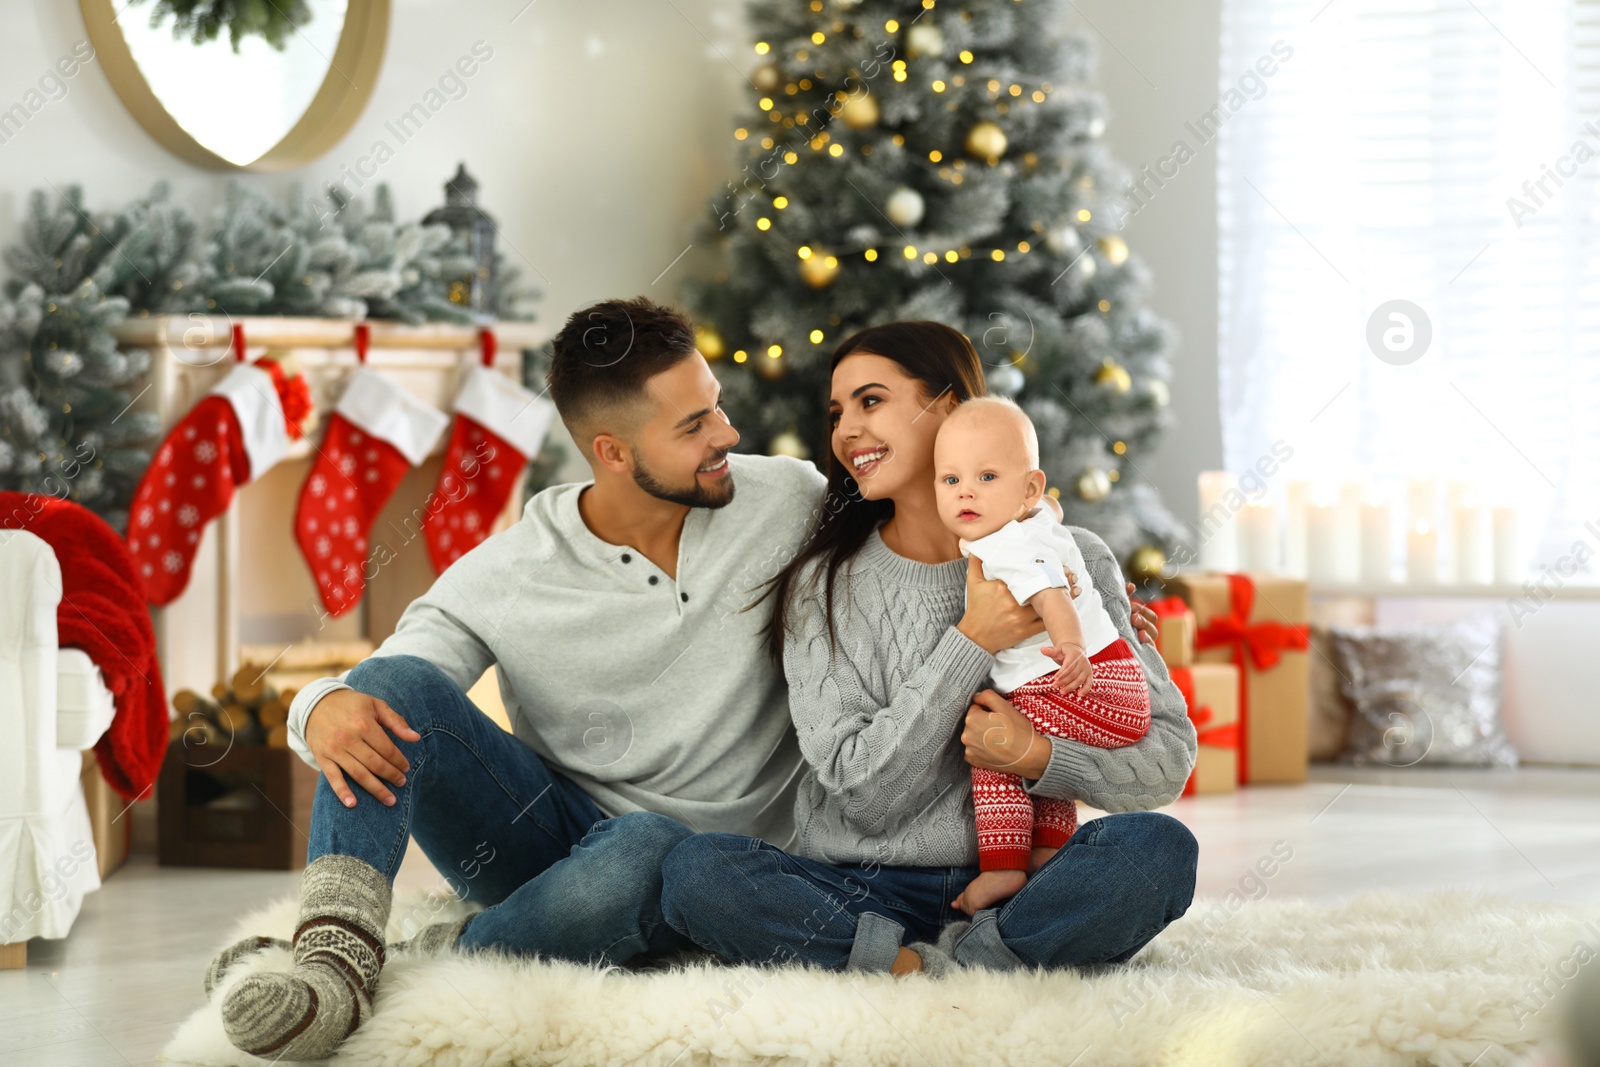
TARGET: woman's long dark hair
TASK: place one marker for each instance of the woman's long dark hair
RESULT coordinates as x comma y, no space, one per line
943,360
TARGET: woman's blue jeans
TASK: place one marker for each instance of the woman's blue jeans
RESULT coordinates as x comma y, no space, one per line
557,878
1103,896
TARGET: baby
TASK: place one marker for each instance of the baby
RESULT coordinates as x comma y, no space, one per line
1078,680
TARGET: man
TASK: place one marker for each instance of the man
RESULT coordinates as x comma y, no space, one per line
643,706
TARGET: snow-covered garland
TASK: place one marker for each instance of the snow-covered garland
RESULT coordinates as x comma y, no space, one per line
66,389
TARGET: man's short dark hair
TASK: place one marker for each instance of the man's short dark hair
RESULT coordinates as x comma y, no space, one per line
602,359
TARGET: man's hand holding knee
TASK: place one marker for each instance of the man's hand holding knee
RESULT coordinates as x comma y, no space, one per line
348,733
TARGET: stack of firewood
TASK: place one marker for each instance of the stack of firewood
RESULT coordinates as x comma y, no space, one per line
245,710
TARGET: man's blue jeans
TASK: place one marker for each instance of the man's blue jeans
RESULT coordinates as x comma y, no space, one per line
557,878
1103,896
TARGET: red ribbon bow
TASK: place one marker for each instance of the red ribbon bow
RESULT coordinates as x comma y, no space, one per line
293,394
1169,606
1265,641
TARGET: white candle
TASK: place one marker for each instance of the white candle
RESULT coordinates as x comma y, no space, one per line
1322,542
1471,545
1258,538
1507,564
1422,501
1297,494
1422,553
1458,493
1376,526
1218,532
1351,495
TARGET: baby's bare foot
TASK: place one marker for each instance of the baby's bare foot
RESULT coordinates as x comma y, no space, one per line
988,889
1039,857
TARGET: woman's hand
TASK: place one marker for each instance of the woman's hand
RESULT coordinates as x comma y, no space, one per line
1145,622
994,620
1072,583
998,737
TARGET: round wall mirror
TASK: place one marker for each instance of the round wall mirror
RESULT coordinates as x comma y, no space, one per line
257,108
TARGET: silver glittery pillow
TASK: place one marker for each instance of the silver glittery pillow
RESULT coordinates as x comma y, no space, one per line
1423,694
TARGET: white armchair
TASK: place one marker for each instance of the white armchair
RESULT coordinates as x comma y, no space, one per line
53,705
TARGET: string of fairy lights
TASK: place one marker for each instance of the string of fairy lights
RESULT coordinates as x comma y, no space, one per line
985,145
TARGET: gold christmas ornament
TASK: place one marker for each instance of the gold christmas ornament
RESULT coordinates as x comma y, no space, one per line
1114,376
859,111
1147,564
1114,248
769,367
987,142
767,77
788,443
708,341
819,270
1093,485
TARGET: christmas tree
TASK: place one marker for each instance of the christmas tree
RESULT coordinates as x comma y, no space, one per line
65,388
940,161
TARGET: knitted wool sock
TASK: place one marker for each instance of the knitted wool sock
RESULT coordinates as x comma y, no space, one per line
236,952
939,959
304,1014
435,939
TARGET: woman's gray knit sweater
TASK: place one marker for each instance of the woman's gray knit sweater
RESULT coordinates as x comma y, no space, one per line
879,720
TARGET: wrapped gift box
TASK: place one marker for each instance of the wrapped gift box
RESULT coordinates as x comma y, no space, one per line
1258,622
1212,692
1175,637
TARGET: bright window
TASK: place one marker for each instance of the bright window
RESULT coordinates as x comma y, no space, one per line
1443,153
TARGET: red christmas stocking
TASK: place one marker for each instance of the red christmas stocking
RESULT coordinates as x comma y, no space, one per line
237,431
375,434
499,426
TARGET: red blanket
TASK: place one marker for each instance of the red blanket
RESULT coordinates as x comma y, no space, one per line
103,612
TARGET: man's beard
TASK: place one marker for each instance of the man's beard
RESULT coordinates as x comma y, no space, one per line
695,496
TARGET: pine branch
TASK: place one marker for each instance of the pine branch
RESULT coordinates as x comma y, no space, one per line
970,188
202,21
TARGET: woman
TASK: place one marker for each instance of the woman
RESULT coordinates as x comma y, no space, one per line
885,634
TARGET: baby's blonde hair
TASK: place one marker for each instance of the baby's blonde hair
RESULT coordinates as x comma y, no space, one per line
981,405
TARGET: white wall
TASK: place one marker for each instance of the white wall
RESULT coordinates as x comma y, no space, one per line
1158,69
597,131
600,130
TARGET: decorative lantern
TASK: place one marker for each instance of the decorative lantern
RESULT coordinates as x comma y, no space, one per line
474,288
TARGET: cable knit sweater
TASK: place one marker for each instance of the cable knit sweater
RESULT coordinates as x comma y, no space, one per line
879,720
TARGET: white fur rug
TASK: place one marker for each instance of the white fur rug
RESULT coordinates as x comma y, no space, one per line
1376,979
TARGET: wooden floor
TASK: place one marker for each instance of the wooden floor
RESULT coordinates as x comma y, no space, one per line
113,992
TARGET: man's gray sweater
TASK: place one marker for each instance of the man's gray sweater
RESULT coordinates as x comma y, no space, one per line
879,719
651,692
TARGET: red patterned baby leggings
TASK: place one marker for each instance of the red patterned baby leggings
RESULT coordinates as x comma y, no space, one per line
1115,712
